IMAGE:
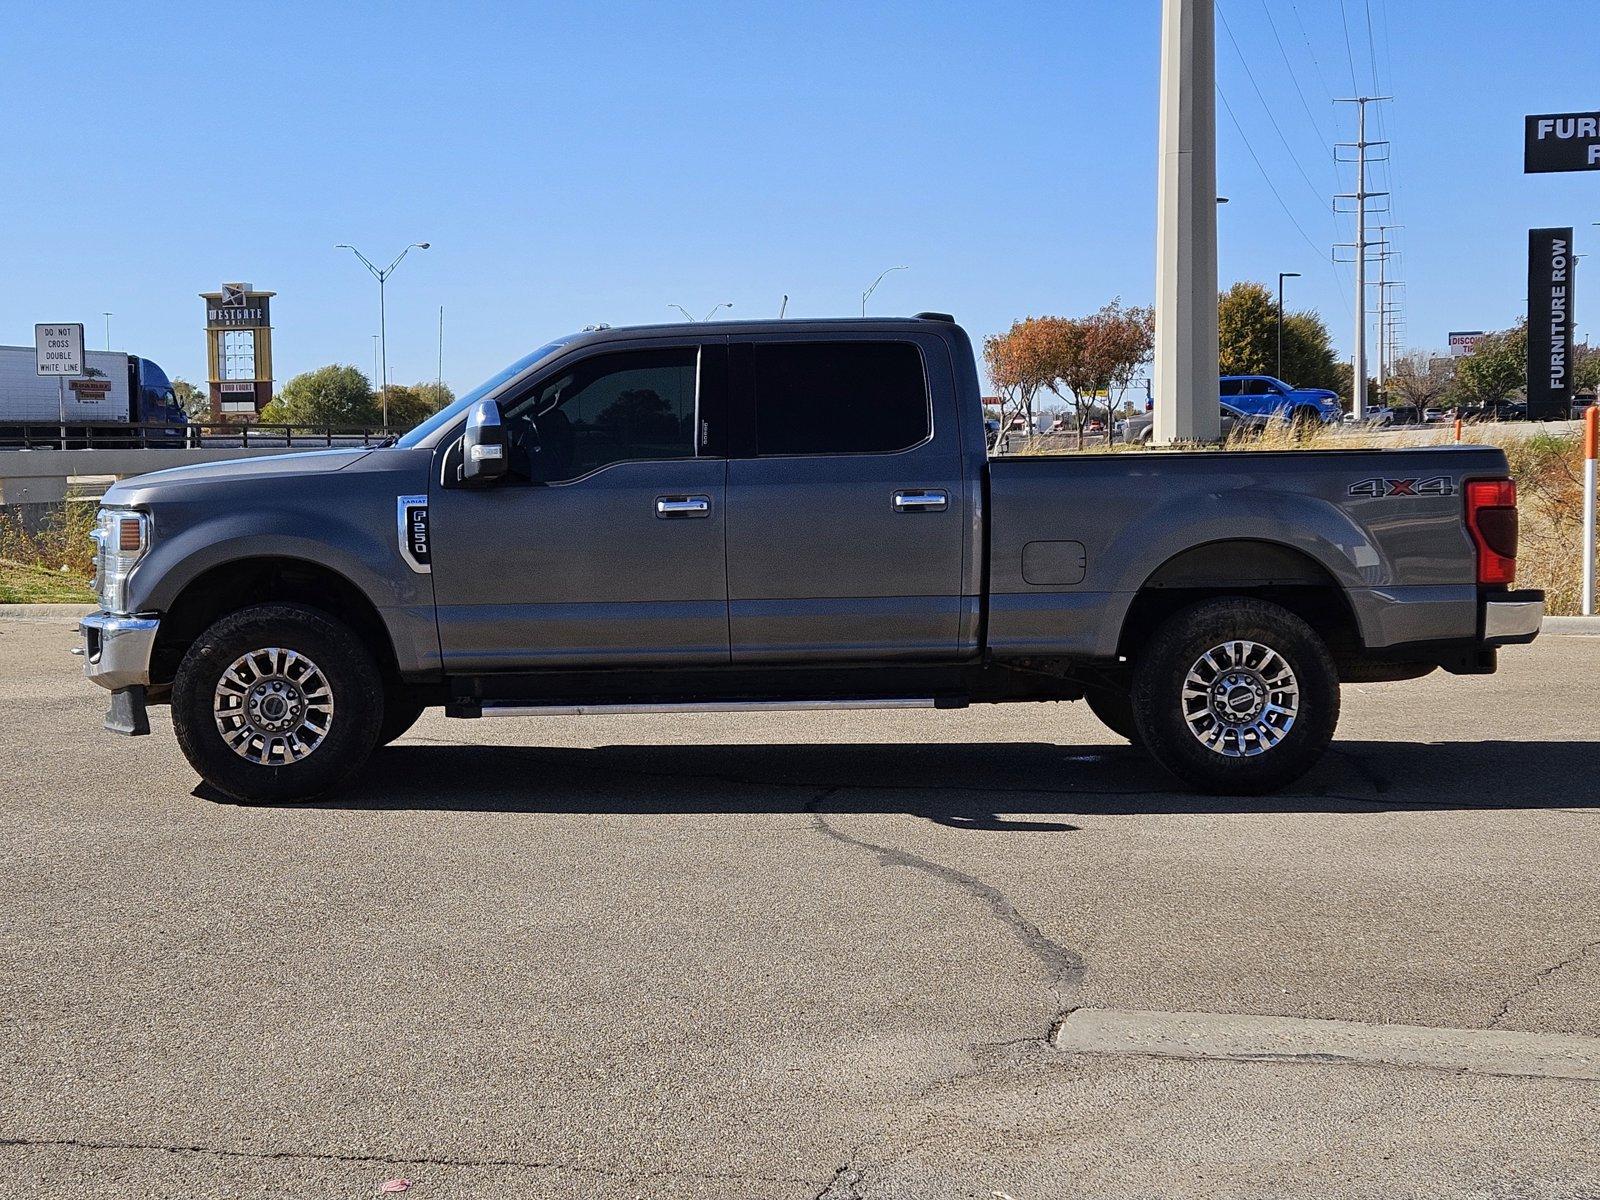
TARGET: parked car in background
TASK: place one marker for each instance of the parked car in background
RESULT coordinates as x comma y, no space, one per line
1141,428
1265,396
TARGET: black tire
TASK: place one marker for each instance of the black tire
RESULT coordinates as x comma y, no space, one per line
400,713
1263,750
340,740
1114,707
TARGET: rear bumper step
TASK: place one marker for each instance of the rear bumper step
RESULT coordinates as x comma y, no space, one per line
512,708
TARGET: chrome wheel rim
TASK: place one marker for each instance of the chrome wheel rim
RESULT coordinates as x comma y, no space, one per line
273,706
1240,699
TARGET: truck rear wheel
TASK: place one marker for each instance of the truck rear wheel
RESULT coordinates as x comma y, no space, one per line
277,702
1236,696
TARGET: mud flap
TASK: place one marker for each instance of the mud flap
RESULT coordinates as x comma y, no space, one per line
127,714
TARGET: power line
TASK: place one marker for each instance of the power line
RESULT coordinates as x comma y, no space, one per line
1306,38
1278,196
1344,18
1372,47
1250,75
1294,76
1322,78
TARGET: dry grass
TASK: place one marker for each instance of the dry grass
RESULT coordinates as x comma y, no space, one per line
59,542
1548,468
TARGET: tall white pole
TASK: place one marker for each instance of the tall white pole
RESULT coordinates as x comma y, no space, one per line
1186,407
1358,373
1383,305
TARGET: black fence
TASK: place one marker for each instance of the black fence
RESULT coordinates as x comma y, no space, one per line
35,435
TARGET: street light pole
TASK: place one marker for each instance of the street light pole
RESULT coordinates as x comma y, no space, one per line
382,276
689,316
867,295
1282,275
108,317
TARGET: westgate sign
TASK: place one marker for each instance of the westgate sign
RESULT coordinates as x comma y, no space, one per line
1561,142
1549,324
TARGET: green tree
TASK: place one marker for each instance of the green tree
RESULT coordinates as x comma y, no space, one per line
1247,329
1496,368
329,396
409,406
195,402
1308,357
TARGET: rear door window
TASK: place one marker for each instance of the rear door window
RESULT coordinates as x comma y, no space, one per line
1230,387
838,398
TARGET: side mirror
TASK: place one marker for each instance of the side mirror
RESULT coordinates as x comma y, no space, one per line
483,446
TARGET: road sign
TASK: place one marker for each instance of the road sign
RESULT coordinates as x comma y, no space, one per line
1561,142
60,349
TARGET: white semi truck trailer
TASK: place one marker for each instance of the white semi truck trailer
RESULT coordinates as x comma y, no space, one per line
121,399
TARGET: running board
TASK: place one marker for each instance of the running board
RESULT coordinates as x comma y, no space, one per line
503,708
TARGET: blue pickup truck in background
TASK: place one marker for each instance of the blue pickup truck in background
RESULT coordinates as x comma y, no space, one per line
1265,396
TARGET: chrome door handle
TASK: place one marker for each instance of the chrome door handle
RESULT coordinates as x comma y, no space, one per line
921,501
683,506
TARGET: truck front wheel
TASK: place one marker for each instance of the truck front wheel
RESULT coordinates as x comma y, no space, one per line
1236,696
277,702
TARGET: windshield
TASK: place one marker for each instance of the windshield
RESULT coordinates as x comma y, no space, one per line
452,411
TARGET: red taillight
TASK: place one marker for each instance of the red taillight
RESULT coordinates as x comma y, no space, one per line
1492,520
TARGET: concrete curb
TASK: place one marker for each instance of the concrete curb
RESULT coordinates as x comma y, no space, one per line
1573,626
44,612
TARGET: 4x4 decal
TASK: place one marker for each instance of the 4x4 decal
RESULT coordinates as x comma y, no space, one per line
1439,485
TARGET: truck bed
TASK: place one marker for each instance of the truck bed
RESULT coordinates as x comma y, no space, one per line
1081,534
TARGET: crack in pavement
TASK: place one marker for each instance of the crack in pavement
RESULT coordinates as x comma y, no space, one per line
1539,978
381,1160
1066,966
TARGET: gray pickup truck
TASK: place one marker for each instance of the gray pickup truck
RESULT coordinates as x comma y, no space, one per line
784,515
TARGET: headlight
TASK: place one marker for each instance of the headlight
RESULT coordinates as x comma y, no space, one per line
121,537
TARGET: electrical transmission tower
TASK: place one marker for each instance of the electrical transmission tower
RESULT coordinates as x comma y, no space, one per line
1356,203
1389,318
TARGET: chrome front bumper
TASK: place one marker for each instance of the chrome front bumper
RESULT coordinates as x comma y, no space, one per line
116,650
1513,618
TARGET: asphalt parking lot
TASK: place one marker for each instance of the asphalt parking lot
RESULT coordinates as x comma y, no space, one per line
899,954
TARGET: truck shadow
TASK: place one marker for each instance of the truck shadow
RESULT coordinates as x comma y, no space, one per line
1000,786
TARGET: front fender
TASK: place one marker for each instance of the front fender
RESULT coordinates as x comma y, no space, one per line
344,522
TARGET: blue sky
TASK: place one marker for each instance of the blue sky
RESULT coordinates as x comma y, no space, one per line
574,163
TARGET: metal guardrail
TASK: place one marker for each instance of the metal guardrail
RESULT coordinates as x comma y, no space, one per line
37,435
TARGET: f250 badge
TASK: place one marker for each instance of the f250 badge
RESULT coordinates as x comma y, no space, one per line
411,516
1439,485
